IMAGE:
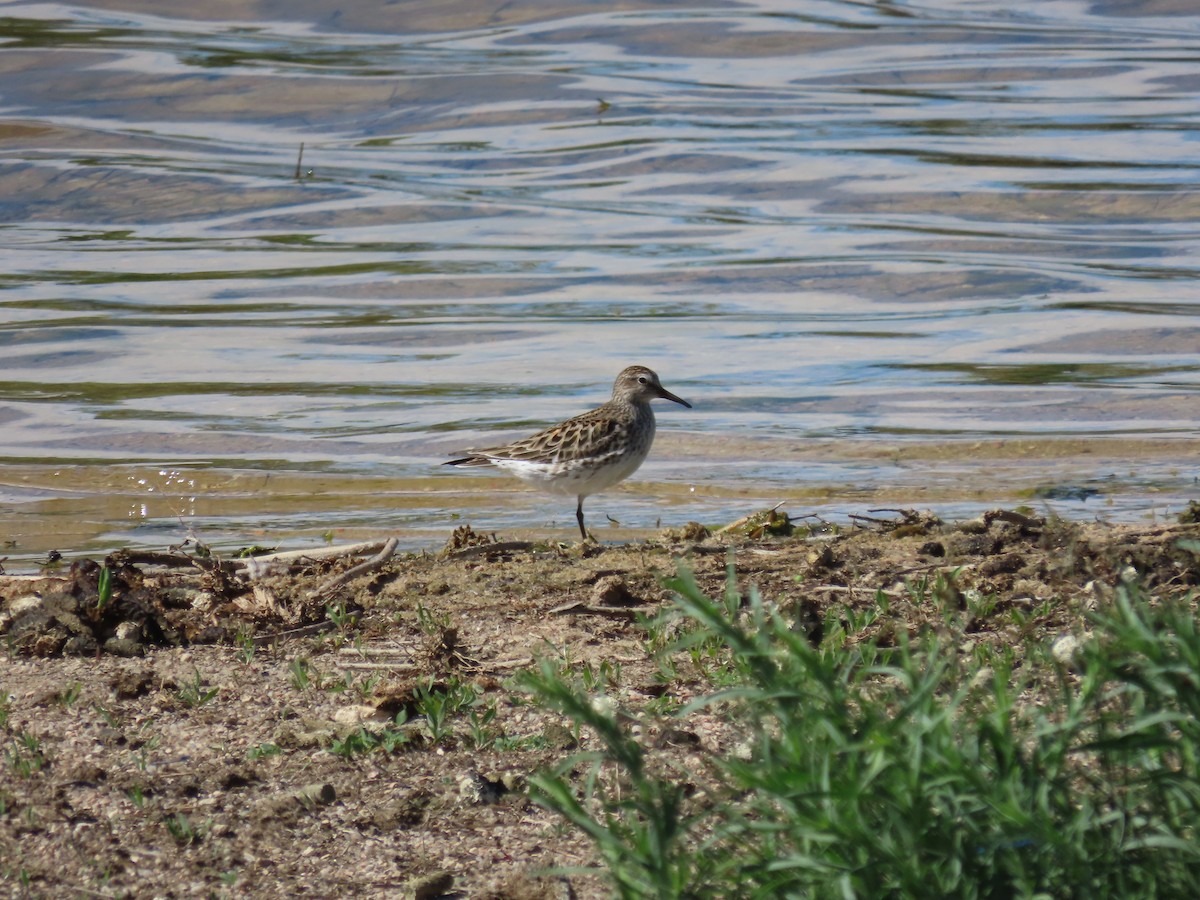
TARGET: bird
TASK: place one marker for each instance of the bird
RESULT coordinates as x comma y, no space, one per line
590,452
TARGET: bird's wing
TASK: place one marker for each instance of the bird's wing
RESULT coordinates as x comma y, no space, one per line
591,434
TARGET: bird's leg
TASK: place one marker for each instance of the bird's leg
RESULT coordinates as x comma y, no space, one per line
579,519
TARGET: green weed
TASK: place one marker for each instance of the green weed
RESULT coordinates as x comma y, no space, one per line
24,755
387,739
903,770
183,830
303,674
193,693
264,750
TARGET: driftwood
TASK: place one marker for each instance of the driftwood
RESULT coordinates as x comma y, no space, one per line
384,554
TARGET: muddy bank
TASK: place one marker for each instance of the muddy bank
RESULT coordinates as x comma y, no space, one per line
182,724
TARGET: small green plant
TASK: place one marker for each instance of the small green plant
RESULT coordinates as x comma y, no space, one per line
5,708
640,834
505,743
664,706
395,737
22,877
883,603
303,674
858,621
366,687
607,675
104,588
338,614
181,828
24,754
363,741
141,756
360,741
193,693
246,645
264,750
438,703
67,697
432,704
136,795
107,715
481,721
431,623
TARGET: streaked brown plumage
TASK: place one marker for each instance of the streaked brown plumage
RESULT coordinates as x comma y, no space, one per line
590,452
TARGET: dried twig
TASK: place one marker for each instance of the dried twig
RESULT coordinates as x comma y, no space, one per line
360,549
326,589
744,520
491,549
1016,518
579,608
264,640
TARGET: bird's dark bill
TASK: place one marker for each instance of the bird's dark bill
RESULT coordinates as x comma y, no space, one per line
667,395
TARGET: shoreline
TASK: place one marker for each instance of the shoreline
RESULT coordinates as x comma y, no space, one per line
213,727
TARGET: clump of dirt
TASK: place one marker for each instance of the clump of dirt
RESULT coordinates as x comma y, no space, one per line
193,726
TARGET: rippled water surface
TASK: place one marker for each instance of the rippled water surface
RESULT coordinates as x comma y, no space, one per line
939,254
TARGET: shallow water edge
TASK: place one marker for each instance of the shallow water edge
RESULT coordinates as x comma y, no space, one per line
691,477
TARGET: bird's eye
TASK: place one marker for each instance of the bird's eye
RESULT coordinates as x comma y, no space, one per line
642,379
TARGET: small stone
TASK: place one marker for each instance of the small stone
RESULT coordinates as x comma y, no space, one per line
123,647
1065,648
80,645
318,794
428,887
479,789
1001,565
559,737
288,805
613,591
26,604
820,559
132,683
983,677
604,705
361,716
304,734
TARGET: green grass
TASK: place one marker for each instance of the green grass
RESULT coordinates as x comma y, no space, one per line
389,740
264,750
194,693
438,707
24,755
875,767
183,830
438,703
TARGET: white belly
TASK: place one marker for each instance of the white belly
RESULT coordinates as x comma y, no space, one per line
574,479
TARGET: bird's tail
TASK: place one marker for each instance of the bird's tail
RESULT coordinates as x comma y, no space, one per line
468,461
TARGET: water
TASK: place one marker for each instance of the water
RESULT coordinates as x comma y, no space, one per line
895,254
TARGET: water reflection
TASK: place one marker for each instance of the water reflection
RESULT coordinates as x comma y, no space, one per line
868,222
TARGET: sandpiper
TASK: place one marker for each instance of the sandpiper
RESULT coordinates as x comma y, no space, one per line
590,452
